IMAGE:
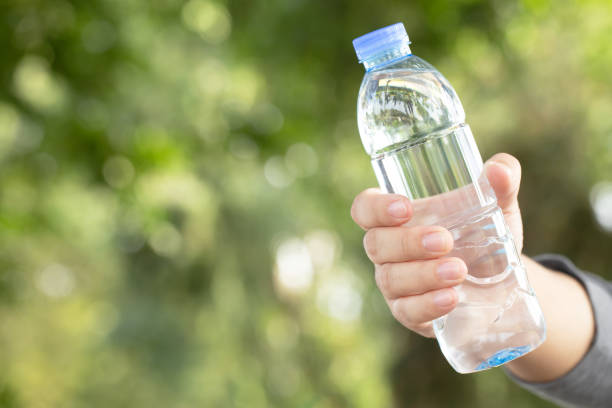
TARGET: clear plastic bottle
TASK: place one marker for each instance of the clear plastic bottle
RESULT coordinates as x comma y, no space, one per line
412,124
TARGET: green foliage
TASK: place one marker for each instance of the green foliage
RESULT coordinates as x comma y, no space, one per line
176,180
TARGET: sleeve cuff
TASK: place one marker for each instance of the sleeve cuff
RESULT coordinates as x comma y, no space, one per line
589,383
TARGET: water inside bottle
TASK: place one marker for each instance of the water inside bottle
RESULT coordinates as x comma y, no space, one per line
498,317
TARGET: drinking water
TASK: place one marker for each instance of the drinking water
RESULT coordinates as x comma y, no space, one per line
412,124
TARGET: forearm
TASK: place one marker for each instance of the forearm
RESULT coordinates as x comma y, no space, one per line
570,325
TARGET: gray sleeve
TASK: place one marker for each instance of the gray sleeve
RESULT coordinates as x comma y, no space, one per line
589,383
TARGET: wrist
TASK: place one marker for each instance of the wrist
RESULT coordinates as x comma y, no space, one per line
570,325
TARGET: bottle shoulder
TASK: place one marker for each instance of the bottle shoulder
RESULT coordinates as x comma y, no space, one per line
405,100
410,67
409,62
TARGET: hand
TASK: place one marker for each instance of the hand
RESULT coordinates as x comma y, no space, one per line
411,269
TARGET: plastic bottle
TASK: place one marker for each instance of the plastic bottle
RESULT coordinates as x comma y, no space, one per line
412,125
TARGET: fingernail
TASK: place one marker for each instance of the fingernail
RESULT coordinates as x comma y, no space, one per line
435,242
444,299
450,271
398,209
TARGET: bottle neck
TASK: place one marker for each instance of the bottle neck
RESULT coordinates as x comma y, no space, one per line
387,56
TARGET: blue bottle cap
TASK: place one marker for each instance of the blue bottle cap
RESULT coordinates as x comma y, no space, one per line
373,43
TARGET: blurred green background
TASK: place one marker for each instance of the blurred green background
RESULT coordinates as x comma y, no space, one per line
175,184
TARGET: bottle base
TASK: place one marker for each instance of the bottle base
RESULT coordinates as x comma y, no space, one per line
497,359
503,356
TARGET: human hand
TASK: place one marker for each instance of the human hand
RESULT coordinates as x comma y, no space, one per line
411,269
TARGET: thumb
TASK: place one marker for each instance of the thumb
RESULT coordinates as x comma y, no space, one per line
504,174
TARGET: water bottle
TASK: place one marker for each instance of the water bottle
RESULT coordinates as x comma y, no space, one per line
412,125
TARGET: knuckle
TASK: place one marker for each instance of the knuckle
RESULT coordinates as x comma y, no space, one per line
402,313
355,208
370,244
397,311
383,279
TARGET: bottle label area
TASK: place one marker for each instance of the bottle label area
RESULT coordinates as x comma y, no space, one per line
439,163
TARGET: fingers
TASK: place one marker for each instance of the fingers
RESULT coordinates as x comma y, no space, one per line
420,291
373,208
397,244
416,311
504,174
397,280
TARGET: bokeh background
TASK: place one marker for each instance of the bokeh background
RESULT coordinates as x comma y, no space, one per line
175,184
